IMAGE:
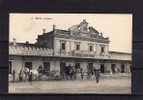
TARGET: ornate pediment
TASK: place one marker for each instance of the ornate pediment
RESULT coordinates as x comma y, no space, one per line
82,27
93,30
82,30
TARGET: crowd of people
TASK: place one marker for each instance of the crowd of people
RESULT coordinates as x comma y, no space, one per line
68,73
75,73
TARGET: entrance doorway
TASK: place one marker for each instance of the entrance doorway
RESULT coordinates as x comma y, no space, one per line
102,68
77,65
113,66
122,68
62,69
90,67
46,67
28,65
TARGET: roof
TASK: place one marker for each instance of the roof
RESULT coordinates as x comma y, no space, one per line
119,52
26,45
23,49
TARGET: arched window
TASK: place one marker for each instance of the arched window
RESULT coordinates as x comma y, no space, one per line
90,67
77,46
102,49
113,66
122,68
77,65
102,68
63,45
46,67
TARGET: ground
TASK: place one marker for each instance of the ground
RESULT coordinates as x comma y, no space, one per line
109,84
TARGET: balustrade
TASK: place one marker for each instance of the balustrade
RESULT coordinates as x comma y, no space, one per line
33,51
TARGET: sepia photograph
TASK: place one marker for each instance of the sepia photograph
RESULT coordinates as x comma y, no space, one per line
70,53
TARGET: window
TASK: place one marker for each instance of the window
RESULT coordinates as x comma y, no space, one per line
63,46
113,68
46,66
77,47
10,67
90,48
122,68
90,67
77,65
28,65
102,50
62,68
102,68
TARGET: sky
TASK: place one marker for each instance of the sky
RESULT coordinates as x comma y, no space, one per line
118,27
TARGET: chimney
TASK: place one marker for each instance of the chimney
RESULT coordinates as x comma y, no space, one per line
14,41
54,27
44,30
71,32
101,34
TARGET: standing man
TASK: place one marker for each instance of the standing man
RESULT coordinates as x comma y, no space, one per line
97,72
66,72
82,73
13,75
30,77
20,76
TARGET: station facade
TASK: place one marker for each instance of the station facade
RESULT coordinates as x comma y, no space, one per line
81,46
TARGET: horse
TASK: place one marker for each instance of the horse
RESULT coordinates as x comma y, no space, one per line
27,71
35,74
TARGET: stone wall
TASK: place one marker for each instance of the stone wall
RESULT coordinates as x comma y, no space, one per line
84,46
